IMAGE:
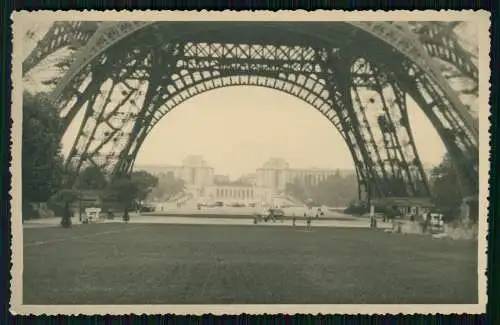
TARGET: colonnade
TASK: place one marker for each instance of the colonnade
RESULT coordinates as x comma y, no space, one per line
236,193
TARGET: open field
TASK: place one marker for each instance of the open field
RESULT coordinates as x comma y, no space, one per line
200,264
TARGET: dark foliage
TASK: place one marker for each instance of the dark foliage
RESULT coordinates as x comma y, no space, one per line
335,191
446,189
58,201
145,183
42,162
91,178
168,186
122,190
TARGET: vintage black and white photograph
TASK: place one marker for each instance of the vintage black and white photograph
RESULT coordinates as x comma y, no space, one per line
256,161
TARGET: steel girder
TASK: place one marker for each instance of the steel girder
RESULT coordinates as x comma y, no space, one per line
399,35
127,87
459,141
71,34
440,41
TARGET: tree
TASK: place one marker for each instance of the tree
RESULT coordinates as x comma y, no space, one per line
335,190
242,181
168,186
445,189
42,162
122,190
145,182
66,196
91,178
59,200
296,189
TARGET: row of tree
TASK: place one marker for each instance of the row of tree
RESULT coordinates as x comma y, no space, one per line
242,181
444,181
42,161
445,189
168,186
343,191
44,175
134,187
335,191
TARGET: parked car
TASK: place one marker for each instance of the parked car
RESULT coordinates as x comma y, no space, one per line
277,212
217,204
147,208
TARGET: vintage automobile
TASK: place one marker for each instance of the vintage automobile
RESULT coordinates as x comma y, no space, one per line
271,214
147,208
276,212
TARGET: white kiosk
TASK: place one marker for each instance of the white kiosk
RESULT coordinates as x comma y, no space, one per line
436,222
92,215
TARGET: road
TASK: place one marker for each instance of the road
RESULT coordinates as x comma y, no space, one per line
148,219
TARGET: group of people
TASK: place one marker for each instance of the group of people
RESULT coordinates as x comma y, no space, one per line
272,217
308,219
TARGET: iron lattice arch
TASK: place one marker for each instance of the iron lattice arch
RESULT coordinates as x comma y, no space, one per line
129,75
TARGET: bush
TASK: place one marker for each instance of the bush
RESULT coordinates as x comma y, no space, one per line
357,208
29,211
391,212
57,203
56,207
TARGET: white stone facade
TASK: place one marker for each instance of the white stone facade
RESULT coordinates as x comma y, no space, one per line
276,173
194,171
237,194
272,176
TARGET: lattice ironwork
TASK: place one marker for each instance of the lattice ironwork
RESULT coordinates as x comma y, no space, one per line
129,75
71,34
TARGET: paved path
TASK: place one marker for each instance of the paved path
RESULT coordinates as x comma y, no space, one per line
359,223
249,221
289,212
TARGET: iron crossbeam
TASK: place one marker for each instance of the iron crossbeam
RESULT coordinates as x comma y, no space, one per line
152,101
338,103
73,34
249,51
398,159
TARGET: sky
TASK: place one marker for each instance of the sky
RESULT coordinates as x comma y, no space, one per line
237,129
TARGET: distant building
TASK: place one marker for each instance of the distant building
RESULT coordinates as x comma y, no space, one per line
237,194
194,170
276,173
272,176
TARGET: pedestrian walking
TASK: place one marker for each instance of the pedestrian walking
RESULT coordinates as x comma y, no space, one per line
126,216
308,228
66,218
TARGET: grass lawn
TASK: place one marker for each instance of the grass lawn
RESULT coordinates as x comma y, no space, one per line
200,264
